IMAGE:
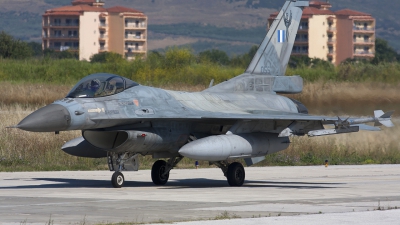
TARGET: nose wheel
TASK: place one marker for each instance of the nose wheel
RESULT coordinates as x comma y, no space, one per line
117,180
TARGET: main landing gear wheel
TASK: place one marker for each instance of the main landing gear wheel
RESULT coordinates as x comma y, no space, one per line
157,172
235,174
117,179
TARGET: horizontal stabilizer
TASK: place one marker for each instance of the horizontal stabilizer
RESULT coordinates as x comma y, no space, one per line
383,118
387,115
386,123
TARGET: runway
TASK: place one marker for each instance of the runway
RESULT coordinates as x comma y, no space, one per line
77,197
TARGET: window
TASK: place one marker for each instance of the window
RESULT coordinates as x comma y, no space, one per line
100,85
57,33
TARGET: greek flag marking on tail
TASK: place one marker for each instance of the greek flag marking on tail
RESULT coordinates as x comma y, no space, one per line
281,36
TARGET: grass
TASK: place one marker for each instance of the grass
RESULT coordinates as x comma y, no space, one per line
27,151
180,66
355,89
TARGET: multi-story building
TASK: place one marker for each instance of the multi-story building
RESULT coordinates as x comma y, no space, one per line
334,36
89,28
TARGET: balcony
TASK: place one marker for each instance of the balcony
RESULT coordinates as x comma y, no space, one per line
364,53
103,48
301,40
135,37
103,36
63,36
103,25
303,28
135,49
135,26
364,42
363,29
331,52
331,29
300,52
63,48
331,40
63,25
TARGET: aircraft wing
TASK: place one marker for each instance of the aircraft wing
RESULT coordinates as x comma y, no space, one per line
294,123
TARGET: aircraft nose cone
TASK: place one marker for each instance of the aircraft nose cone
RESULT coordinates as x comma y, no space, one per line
50,118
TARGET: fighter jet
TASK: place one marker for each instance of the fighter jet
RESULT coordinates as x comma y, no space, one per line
241,118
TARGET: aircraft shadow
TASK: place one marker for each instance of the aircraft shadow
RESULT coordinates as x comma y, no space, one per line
172,184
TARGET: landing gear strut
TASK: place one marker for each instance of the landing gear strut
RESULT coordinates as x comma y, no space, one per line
234,172
126,161
160,170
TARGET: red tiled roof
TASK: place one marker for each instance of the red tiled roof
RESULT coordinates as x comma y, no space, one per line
316,11
83,1
307,12
349,12
77,8
120,9
319,3
62,14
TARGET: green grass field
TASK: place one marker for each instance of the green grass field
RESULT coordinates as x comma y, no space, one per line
358,89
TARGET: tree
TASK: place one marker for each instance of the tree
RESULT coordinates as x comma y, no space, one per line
383,52
12,48
36,48
299,61
176,58
104,57
215,56
245,59
50,53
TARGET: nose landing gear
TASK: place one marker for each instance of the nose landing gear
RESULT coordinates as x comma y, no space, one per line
123,162
117,179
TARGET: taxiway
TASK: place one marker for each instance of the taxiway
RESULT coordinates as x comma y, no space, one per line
73,197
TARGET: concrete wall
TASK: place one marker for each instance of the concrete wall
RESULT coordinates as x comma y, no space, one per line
318,38
344,37
116,33
89,35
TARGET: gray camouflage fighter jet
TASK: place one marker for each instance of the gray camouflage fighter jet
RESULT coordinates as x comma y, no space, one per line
243,117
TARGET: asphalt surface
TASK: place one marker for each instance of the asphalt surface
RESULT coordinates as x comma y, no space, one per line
277,195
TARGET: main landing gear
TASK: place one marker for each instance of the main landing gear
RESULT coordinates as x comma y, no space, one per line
234,172
160,170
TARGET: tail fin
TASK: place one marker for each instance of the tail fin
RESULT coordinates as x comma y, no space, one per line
383,118
266,71
274,52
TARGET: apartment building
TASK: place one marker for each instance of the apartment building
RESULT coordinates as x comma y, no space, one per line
89,28
334,36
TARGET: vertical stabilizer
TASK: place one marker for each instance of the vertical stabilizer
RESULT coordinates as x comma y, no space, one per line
274,52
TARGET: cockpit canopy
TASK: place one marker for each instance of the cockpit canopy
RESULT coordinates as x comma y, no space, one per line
100,85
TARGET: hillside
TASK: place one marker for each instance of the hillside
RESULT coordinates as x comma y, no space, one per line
231,25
